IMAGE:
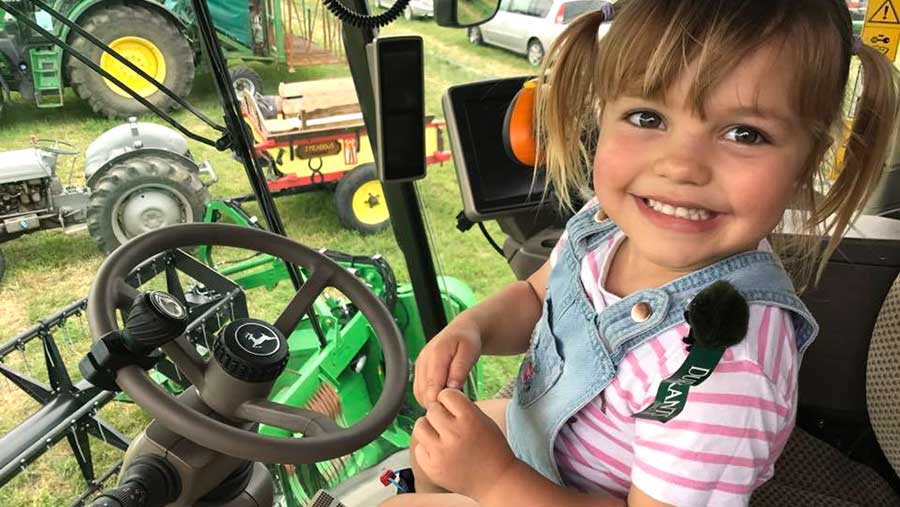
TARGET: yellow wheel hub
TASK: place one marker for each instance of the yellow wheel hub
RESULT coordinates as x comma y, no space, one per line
369,206
144,55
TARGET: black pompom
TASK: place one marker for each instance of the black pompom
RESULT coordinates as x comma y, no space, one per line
718,316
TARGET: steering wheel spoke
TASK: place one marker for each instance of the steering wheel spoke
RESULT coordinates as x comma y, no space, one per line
124,295
319,279
298,420
187,359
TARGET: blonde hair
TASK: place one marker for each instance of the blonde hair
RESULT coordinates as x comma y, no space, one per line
652,42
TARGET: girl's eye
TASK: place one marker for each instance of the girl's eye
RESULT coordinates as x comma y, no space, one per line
644,119
745,135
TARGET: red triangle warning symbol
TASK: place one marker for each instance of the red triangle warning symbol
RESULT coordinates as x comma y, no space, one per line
885,14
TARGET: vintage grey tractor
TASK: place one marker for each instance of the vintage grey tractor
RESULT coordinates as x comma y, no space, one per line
139,177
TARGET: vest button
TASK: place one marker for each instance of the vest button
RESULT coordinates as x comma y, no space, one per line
641,311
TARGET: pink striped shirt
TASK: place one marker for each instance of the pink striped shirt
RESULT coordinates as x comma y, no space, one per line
723,444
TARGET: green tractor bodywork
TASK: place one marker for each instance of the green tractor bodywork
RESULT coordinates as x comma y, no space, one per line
342,372
350,365
164,44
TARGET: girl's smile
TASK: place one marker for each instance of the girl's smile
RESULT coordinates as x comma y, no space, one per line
677,217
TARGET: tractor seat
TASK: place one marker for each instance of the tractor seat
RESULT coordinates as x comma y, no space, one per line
810,472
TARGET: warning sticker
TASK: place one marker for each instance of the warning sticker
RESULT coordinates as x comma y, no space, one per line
882,13
882,38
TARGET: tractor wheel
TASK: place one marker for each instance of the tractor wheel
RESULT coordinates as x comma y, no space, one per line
244,78
147,39
360,200
140,195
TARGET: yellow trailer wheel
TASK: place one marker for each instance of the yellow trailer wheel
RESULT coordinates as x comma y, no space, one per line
360,200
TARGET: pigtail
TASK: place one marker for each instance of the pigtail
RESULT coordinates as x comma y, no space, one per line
566,108
867,150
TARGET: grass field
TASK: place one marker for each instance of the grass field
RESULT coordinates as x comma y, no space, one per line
48,270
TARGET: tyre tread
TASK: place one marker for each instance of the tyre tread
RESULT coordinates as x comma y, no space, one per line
116,15
132,172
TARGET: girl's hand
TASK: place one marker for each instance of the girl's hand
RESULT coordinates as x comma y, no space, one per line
446,360
459,447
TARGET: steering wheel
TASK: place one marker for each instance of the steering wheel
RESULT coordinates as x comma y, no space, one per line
53,146
235,402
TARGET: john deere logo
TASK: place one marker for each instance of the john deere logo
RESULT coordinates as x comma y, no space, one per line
257,339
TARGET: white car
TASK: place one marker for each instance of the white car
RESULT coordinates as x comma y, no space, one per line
528,27
415,9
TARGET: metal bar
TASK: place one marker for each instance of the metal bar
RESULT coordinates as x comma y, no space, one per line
242,141
81,447
30,439
212,310
115,54
24,19
402,201
40,392
33,332
60,381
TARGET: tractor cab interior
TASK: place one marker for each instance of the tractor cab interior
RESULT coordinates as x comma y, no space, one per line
845,451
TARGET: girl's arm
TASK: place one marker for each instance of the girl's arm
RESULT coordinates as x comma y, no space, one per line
505,319
499,325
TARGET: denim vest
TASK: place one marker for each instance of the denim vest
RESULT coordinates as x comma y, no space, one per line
575,351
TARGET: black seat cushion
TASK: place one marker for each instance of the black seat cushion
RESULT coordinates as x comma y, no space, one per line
811,473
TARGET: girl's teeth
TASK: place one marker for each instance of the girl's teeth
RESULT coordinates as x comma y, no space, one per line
678,211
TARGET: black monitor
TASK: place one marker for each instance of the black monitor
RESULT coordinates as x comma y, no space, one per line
399,86
492,184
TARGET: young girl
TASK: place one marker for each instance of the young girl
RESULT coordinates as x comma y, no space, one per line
706,119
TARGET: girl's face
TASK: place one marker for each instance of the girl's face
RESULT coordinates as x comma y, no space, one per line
688,191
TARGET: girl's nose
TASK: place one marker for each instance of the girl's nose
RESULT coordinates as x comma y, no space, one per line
684,161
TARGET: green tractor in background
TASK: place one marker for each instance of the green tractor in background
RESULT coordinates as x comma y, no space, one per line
161,39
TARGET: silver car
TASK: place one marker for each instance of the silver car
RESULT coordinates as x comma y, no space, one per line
415,9
529,26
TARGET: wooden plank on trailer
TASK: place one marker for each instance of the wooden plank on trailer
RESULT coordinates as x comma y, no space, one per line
319,98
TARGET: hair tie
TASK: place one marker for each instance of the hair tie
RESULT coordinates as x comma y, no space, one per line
608,10
855,45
